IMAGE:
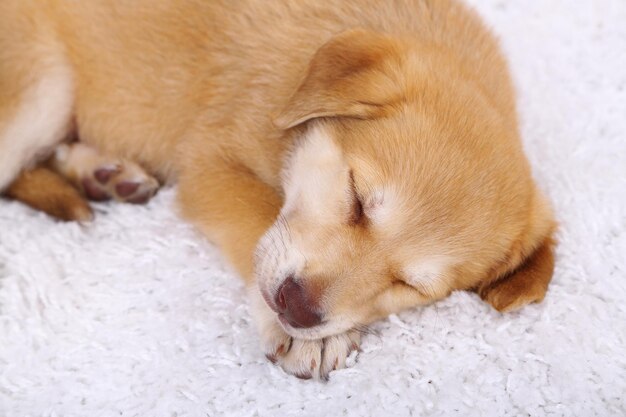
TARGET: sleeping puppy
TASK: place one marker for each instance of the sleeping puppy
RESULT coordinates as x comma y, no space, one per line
352,159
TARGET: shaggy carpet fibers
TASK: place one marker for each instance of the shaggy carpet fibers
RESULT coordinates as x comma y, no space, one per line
137,315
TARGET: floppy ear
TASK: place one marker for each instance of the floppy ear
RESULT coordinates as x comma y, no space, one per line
346,77
525,284
524,276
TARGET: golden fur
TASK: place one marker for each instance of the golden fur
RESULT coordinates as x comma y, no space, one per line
367,149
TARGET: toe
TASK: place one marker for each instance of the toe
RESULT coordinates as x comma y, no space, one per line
134,190
141,197
126,188
336,351
93,191
303,359
278,349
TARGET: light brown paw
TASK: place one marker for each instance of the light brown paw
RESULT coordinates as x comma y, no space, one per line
102,178
317,358
45,190
305,359
309,359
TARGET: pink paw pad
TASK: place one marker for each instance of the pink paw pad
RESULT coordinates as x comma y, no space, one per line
126,188
93,191
141,198
103,175
136,192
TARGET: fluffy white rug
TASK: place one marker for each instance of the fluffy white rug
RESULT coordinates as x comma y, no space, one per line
136,315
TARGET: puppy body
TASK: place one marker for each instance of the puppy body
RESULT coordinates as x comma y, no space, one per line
372,147
141,75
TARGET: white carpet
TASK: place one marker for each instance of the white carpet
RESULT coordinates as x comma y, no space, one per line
136,315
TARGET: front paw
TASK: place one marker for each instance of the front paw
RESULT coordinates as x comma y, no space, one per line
305,359
315,359
102,177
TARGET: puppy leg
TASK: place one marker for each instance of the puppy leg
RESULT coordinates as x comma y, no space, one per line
36,97
36,89
31,125
45,190
56,188
234,209
231,206
101,177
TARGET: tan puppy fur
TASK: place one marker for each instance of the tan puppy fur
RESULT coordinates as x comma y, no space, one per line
366,152
102,177
45,190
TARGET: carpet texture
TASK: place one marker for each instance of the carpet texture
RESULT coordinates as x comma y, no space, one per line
137,315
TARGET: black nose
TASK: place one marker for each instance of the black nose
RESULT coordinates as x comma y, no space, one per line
297,305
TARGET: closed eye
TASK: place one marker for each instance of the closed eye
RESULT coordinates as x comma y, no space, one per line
357,216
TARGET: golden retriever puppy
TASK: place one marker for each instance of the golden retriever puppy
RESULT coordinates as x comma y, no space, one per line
352,159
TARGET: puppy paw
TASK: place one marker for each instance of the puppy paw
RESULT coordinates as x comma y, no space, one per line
315,359
94,184
305,359
132,184
43,189
101,177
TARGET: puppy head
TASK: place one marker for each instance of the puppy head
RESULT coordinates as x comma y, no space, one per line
404,183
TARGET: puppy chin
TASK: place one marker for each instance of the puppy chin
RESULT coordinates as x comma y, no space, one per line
328,328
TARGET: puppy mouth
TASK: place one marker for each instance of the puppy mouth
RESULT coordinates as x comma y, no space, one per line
288,322
322,330
297,331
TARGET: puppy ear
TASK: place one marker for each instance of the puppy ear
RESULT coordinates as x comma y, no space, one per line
525,284
524,276
347,77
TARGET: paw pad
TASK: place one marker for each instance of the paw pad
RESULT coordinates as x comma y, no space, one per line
124,182
126,188
103,175
93,191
